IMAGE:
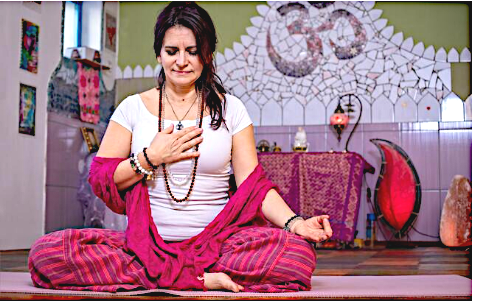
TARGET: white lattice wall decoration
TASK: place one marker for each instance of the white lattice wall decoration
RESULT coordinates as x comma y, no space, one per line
300,57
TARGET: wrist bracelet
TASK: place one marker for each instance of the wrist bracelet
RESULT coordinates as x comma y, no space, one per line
142,170
291,221
154,167
133,164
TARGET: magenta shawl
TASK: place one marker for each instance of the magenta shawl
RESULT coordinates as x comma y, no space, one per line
178,265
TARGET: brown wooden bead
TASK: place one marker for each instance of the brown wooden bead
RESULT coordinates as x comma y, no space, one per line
194,171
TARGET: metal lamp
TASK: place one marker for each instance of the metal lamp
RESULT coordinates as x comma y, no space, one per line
340,118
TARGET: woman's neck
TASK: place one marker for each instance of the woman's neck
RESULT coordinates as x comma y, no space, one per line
179,93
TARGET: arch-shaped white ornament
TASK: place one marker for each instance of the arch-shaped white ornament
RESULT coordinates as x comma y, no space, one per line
452,108
405,109
382,110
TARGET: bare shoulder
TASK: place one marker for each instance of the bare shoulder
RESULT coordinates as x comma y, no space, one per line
149,98
149,95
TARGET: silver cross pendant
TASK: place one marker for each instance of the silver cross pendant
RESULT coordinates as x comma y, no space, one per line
179,126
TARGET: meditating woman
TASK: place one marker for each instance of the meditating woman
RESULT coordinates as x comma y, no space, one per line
165,161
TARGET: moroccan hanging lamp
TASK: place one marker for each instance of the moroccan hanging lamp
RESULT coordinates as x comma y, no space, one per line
339,120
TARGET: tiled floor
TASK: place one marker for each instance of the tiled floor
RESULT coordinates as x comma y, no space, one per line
379,261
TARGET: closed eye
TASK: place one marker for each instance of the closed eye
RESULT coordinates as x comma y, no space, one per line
172,53
192,50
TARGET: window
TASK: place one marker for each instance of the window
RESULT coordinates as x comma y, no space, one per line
72,25
82,24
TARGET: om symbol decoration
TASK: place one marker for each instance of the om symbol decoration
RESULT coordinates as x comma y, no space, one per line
313,41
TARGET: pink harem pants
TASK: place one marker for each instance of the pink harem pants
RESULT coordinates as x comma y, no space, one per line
262,259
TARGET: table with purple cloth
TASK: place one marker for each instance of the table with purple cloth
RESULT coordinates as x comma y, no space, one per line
318,183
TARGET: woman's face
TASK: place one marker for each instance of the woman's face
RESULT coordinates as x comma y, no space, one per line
179,57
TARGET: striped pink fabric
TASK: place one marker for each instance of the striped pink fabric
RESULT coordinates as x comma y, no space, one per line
262,259
100,256
267,260
86,259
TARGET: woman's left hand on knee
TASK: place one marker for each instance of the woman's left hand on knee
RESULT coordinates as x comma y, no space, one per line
316,229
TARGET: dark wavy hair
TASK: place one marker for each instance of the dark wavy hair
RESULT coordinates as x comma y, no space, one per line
195,18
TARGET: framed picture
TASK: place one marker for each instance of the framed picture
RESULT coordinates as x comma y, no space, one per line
26,124
91,139
29,52
110,39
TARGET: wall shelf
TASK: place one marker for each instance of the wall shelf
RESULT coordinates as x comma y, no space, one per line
93,64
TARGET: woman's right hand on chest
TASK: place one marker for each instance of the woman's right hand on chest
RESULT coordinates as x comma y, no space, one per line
169,147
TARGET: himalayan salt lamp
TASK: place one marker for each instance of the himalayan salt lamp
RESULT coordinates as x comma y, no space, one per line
456,217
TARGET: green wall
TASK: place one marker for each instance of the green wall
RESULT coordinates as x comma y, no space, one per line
441,24
137,20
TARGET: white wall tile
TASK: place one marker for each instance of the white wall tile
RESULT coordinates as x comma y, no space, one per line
271,114
445,76
441,55
425,73
382,110
418,49
408,44
405,110
315,113
293,113
127,73
387,32
455,155
452,108
453,56
465,55
380,24
138,72
428,109
148,72
397,38
430,53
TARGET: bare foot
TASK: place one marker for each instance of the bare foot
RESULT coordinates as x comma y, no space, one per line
220,280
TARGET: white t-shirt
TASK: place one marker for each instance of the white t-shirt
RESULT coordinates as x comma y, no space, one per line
180,221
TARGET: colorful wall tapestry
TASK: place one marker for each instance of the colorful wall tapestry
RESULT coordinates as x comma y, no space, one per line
63,93
110,39
88,93
29,51
26,123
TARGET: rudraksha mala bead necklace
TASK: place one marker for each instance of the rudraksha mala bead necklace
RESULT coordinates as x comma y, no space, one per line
200,116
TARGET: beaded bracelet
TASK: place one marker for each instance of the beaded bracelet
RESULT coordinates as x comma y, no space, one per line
291,221
133,165
143,171
154,167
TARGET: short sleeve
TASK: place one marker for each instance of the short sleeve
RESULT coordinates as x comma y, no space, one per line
236,115
126,112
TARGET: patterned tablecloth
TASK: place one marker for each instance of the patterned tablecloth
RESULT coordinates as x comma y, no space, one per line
320,183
